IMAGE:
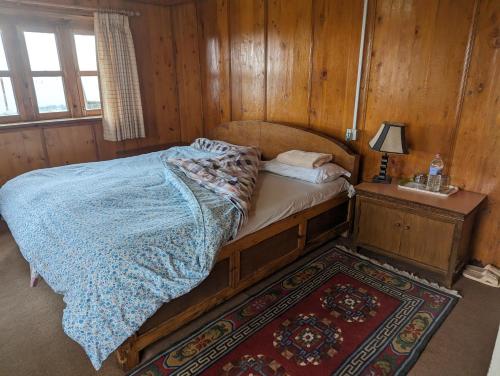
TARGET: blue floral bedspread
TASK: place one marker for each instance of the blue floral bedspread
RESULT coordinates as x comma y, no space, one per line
117,239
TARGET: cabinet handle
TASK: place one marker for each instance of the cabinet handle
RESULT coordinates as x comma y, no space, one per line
397,224
406,227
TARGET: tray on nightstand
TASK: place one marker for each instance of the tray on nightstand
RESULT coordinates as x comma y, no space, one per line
421,188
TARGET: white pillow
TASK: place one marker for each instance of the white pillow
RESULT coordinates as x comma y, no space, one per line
325,173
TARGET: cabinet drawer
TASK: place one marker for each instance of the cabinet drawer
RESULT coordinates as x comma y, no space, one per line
379,226
427,240
404,232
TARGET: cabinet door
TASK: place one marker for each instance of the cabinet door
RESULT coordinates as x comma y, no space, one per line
427,240
379,225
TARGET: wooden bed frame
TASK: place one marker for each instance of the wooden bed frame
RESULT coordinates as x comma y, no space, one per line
248,260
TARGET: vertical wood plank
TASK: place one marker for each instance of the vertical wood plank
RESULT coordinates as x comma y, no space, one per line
247,25
289,60
66,145
475,161
20,151
159,72
416,69
215,61
337,31
185,30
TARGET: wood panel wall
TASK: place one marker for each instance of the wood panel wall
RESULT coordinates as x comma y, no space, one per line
430,64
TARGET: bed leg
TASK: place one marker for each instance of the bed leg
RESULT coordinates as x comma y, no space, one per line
127,354
34,276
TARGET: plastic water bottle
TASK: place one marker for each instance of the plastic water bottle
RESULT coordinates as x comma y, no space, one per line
435,172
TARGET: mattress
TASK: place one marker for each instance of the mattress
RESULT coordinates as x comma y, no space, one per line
276,197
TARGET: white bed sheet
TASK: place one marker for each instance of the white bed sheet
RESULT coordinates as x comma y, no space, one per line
276,197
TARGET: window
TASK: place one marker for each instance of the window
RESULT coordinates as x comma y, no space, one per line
46,71
87,70
54,70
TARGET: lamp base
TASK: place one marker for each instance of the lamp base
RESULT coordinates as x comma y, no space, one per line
382,176
382,179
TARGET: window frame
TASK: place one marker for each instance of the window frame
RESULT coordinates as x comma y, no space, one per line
21,29
82,31
22,76
9,73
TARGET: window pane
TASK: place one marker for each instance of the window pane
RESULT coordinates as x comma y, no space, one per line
7,101
50,94
90,86
85,52
42,51
3,59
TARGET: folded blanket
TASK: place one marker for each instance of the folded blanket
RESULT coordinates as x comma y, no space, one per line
232,174
303,158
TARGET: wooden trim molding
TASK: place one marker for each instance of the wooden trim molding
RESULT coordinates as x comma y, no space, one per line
52,122
274,138
463,83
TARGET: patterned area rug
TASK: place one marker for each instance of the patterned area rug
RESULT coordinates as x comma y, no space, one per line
338,314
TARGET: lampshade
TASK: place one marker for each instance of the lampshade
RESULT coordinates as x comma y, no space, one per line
390,138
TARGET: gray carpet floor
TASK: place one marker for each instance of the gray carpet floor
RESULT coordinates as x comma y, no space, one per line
33,343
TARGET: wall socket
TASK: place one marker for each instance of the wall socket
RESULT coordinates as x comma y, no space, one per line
351,134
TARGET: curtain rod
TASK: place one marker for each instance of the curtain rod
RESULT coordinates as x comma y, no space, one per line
126,12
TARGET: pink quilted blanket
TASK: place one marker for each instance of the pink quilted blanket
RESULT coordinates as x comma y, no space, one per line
231,174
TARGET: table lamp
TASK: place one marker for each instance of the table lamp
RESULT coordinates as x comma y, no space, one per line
390,138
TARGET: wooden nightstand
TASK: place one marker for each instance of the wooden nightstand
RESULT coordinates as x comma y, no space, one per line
429,232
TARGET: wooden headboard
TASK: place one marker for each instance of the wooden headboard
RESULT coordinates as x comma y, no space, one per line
273,138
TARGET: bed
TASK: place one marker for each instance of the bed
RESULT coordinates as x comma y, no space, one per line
288,219
268,244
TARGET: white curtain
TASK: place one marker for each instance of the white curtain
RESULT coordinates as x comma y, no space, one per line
120,92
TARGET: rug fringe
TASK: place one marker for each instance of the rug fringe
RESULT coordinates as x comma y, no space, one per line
400,272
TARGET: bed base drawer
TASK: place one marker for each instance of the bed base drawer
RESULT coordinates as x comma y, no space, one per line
326,221
260,255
